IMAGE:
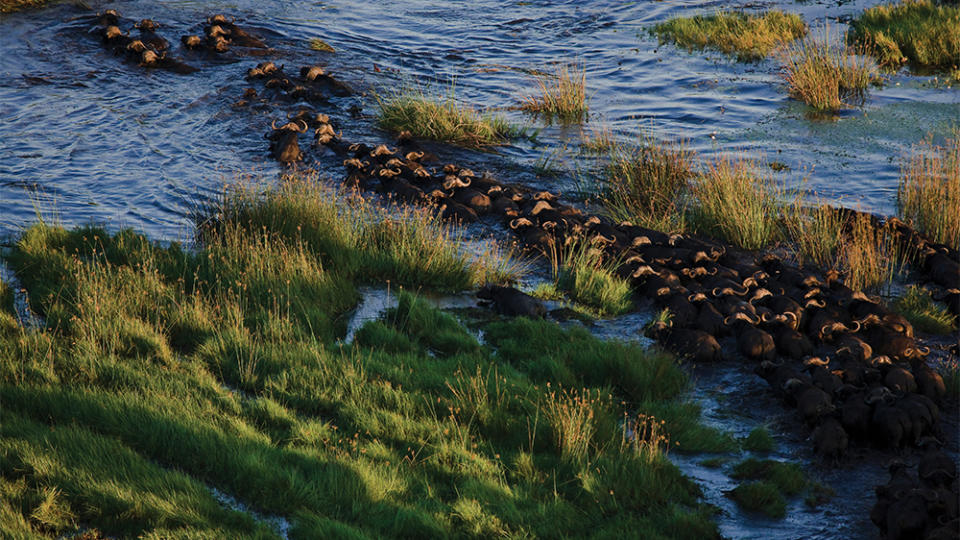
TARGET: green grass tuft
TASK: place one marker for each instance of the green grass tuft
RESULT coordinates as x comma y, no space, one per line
441,118
562,95
826,77
787,477
647,184
733,202
758,440
590,279
747,36
923,313
921,32
929,188
760,496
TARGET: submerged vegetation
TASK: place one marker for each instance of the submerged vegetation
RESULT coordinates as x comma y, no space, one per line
441,118
827,77
929,190
562,95
747,36
766,485
163,377
921,32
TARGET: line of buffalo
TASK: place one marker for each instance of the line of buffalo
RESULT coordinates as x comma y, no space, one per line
850,366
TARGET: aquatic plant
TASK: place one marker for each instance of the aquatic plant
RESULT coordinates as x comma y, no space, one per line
824,76
815,228
9,6
590,278
442,118
766,483
760,496
318,44
749,37
758,440
929,190
732,201
647,183
917,305
562,95
869,256
921,32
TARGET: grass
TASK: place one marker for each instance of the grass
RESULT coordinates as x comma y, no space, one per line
562,95
950,371
732,202
929,184
921,32
162,372
318,44
924,314
749,37
765,485
647,184
441,118
10,6
758,440
816,230
869,256
826,77
581,270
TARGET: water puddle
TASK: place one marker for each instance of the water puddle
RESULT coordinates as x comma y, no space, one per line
278,524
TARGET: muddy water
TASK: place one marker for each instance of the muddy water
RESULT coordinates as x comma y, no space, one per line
95,139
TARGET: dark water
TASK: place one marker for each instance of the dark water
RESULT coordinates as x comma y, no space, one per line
95,139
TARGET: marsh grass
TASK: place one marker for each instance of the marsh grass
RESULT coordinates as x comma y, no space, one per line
758,440
869,256
599,141
164,371
929,191
749,37
921,32
318,44
561,95
733,201
10,6
648,184
827,77
766,483
816,230
590,279
442,118
950,371
924,314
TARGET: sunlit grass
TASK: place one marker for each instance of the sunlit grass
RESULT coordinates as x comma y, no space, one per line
921,32
561,95
589,278
924,314
749,37
442,118
816,230
648,184
9,6
734,201
827,77
929,191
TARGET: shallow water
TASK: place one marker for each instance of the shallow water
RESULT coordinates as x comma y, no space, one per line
95,139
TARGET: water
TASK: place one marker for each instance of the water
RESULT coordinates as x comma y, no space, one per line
86,137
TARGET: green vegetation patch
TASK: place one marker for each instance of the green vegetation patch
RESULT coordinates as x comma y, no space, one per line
758,440
442,118
10,6
164,373
921,32
924,314
760,496
562,95
930,187
749,37
591,279
766,484
827,77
